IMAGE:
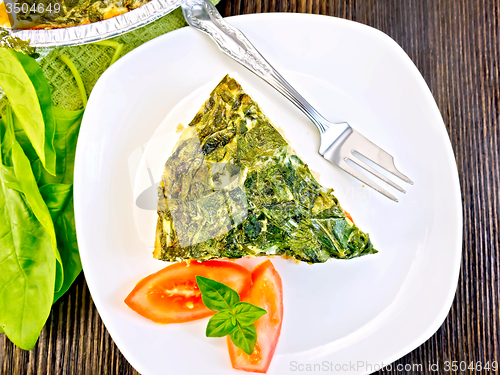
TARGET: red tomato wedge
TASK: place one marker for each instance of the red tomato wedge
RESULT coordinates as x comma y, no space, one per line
172,295
266,292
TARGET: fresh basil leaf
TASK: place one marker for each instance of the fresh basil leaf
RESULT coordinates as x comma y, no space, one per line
244,337
234,319
26,180
216,296
220,325
247,314
1,330
23,97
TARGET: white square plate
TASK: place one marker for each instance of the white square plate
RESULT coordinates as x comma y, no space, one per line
345,316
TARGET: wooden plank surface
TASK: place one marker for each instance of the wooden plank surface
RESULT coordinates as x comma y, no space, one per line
455,45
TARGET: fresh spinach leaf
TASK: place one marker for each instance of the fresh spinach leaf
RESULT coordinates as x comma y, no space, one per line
65,139
216,296
37,155
27,183
27,279
59,199
23,97
68,245
247,314
244,337
56,197
221,324
10,178
42,88
28,270
68,126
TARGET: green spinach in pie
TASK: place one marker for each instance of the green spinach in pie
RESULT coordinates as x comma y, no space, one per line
233,187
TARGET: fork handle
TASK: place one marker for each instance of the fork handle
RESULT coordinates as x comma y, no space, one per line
202,15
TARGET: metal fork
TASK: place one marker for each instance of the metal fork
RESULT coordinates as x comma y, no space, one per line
340,143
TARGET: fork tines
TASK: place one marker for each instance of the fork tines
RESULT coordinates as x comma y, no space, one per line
352,147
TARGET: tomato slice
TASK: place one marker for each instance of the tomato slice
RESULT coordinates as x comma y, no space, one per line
172,295
267,293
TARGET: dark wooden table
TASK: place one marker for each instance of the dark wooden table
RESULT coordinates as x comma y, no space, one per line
456,46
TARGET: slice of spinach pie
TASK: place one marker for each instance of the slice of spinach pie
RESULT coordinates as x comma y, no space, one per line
233,187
